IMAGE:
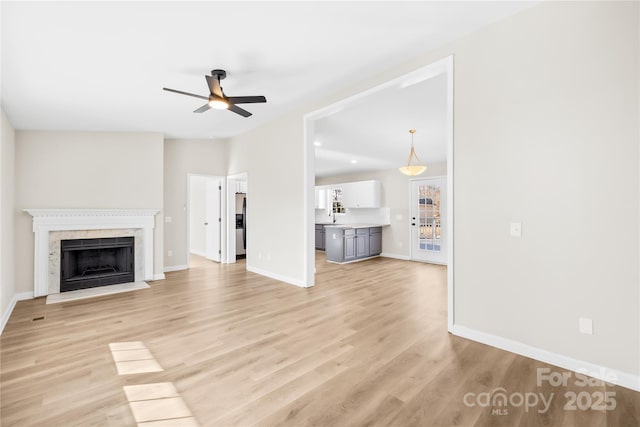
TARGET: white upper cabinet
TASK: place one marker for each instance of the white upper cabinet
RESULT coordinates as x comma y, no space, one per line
361,194
241,186
322,197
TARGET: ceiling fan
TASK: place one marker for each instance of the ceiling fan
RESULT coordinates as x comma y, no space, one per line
217,99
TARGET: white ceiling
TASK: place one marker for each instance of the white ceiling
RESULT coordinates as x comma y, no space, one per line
375,132
101,66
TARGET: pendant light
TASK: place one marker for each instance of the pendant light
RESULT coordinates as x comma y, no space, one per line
413,169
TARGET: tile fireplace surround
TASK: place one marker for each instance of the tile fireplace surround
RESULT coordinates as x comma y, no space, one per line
53,225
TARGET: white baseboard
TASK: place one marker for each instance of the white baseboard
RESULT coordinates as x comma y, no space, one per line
624,379
176,268
202,254
16,297
396,256
158,276
277,276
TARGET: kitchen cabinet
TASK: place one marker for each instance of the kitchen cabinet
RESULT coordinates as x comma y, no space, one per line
362,242
319,237
375,241
322,197
361,194
344,244
349,249
241,186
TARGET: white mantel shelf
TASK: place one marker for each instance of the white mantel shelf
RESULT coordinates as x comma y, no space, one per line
47,220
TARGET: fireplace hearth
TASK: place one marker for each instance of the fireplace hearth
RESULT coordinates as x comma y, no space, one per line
89,263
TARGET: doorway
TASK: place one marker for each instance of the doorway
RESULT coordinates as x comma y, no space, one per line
429,220
205,216
440,67
237,217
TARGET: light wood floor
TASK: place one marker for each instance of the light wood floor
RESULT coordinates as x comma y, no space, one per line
366,346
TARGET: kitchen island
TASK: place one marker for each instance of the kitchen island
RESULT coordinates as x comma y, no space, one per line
352,242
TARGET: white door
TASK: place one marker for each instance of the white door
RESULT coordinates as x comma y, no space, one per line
428,220
213,223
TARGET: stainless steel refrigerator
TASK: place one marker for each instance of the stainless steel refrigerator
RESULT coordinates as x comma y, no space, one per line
241,224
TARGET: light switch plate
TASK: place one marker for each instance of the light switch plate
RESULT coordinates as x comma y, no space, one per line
586,326
516,229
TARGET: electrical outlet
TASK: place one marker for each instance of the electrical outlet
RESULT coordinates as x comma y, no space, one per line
168,219
586,325
169,253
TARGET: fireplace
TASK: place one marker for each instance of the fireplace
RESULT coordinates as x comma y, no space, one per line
52,226
88,263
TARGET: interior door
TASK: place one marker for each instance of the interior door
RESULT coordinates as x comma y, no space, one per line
428,220
213,221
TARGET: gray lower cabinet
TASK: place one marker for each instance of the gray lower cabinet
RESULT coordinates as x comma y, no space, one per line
375,241
319,231
350,244
362,242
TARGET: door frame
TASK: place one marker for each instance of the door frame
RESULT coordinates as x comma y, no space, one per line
230,216
221,235
442,66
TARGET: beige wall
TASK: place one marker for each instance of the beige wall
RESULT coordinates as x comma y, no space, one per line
7,175
197,215
272,157
85,170
546,132
395,196
181,158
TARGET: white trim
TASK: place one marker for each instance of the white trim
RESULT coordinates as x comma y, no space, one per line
47,220
277,276
610,375
198,253
396,256
158,277
449,65
175,268
7,314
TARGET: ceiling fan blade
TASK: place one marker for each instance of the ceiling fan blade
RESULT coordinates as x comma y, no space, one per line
246,99
186,93
202,109
238,110
214,86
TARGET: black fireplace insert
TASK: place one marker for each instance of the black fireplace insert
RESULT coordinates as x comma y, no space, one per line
88,263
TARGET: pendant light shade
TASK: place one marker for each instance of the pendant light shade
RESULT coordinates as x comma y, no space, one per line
417,167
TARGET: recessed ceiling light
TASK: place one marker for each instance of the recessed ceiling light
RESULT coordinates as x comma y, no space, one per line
317,143
354,162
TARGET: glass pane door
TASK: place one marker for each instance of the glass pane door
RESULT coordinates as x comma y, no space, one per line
428,220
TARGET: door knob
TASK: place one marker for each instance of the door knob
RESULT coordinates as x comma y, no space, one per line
206,223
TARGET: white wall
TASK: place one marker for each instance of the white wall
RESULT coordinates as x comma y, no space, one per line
546,132
272,156
181,158
7,175
395,196
85,170
197,215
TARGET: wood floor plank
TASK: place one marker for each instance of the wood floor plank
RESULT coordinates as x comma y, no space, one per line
367,346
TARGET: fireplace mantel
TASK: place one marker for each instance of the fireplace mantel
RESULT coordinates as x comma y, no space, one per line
47,220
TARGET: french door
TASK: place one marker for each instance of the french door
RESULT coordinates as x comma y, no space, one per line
428,220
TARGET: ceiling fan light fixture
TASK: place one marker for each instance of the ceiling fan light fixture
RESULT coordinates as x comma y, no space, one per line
219,104
415,168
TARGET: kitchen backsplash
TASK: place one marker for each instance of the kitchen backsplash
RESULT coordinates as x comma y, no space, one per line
356,216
